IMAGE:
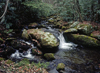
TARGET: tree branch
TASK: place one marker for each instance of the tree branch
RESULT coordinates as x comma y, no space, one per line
7,1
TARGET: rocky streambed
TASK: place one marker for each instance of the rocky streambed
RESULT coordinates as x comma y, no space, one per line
71,47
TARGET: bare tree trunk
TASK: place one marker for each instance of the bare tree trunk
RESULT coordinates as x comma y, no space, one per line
79,11
5,10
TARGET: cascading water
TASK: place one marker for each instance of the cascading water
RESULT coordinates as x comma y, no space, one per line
65,45
16,55
26,54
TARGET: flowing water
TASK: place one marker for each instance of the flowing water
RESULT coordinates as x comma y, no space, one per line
65,45
77,59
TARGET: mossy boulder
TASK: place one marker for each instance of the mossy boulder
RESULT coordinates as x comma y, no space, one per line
96,34
46,39
86,29
60,66
71,30
83,40
49,56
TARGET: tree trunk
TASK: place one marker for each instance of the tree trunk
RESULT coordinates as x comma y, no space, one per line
79,11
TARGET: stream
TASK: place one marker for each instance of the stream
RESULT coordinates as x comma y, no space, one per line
77,59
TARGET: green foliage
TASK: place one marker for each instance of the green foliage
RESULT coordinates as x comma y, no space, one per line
26,12
24,62
72,10
39,9
43,65
9,61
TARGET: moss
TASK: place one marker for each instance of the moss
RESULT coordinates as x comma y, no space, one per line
71,30
84,40
86,29
49,56
9,61
64,27
61,66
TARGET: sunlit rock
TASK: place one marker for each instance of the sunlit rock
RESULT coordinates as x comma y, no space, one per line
46,39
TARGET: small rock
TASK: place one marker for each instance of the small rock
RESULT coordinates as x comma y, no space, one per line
60,66
49,56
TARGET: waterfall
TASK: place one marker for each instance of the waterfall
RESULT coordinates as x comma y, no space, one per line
65,45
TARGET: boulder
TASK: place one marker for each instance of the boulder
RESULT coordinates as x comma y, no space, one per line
49,56
46,39
60,66
83,40
86,29
17,44
8,51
